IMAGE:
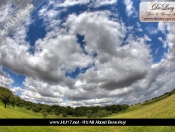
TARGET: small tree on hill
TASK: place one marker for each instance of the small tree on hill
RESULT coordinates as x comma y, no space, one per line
125,106
89,113
64,114
102,113
44,113
12,101
35,109
5,95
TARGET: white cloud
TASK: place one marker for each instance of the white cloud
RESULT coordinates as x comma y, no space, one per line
130,10
51,59
98,3
4,12
37,97
99,31
17,4
5,80
167,29
42,88
63,52
171,41
156,51
152,29
67,3
93,3
162,27
139,27
49,17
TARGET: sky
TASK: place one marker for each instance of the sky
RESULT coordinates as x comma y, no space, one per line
87,53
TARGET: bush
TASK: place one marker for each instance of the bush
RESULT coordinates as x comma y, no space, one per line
44,113
109,113
89,113
28,107
64,114
102,113
35,109
57,113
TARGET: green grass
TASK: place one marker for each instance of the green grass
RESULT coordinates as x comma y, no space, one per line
164,108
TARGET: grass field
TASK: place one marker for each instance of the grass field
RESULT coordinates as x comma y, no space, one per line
164,108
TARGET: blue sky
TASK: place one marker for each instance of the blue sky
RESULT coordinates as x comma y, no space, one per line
88,53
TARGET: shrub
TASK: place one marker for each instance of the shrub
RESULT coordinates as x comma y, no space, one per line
44,113
57,113
64,114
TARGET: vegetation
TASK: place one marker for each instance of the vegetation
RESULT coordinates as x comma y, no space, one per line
164,108
156,99
7,97
89,113
64,114
44,113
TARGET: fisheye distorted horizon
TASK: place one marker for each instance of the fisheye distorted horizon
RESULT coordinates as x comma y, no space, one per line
90,52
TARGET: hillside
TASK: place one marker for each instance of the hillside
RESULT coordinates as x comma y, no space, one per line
164,108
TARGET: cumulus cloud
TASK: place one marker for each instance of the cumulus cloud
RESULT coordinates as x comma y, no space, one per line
5,80
49,17
40,87
130,10
98,30
48,65
171,41
52,58
112,60
98,3
38,96
67,3
167,29
90,3
21,61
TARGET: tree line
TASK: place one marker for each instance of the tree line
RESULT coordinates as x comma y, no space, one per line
8,98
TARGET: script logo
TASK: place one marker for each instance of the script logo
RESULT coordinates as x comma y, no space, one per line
157,11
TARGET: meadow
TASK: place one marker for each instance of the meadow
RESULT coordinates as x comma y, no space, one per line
164,108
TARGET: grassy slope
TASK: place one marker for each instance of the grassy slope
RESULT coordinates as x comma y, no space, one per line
162,109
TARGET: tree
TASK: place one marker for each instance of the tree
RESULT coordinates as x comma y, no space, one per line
35,109
39,107
125,107
47,108
115,108
17,100
55,109
5,95
44,113
64,114
89,113
102,113
12,100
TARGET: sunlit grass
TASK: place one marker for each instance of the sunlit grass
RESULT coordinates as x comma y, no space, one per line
162,109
